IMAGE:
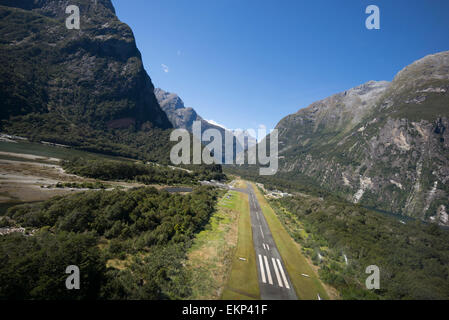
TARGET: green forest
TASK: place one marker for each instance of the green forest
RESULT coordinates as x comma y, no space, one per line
147,228
413,256
140,172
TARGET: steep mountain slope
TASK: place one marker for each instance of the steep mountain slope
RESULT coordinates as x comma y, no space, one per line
384,145
86,87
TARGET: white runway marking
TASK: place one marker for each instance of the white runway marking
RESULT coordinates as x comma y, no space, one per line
283,274
264,246
270,280
277,273
268,247
262,272
261,232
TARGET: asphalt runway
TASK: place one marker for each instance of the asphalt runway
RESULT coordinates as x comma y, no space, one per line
274,281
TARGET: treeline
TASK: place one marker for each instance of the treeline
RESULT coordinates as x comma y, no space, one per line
413,258
147,229
144,173
280,181
80,185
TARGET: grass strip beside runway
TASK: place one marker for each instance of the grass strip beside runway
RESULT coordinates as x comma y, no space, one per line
243,283
212,252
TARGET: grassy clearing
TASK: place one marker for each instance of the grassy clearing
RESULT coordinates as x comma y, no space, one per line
118,264
307,288
210,257
243,283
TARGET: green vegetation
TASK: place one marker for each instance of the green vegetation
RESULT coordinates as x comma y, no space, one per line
212,252
144,173
306,288
413,258
243,282
148,230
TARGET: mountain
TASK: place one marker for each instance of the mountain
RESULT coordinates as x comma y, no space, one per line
382,144
179,115
183,117
85,87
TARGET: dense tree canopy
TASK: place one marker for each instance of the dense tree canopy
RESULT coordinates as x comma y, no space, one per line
413,257
147,228
33,267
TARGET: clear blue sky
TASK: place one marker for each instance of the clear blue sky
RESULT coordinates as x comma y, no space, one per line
244,63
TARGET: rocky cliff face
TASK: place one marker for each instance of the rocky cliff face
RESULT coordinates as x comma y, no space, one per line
383,145
179,115
92,77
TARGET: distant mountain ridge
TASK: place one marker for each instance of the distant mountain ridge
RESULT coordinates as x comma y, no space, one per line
183,117
382,144
179,115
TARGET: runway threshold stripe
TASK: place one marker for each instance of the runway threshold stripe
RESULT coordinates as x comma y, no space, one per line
262,272
283,274
267,266
278,277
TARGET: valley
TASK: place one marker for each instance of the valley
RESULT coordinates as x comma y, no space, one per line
104,171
